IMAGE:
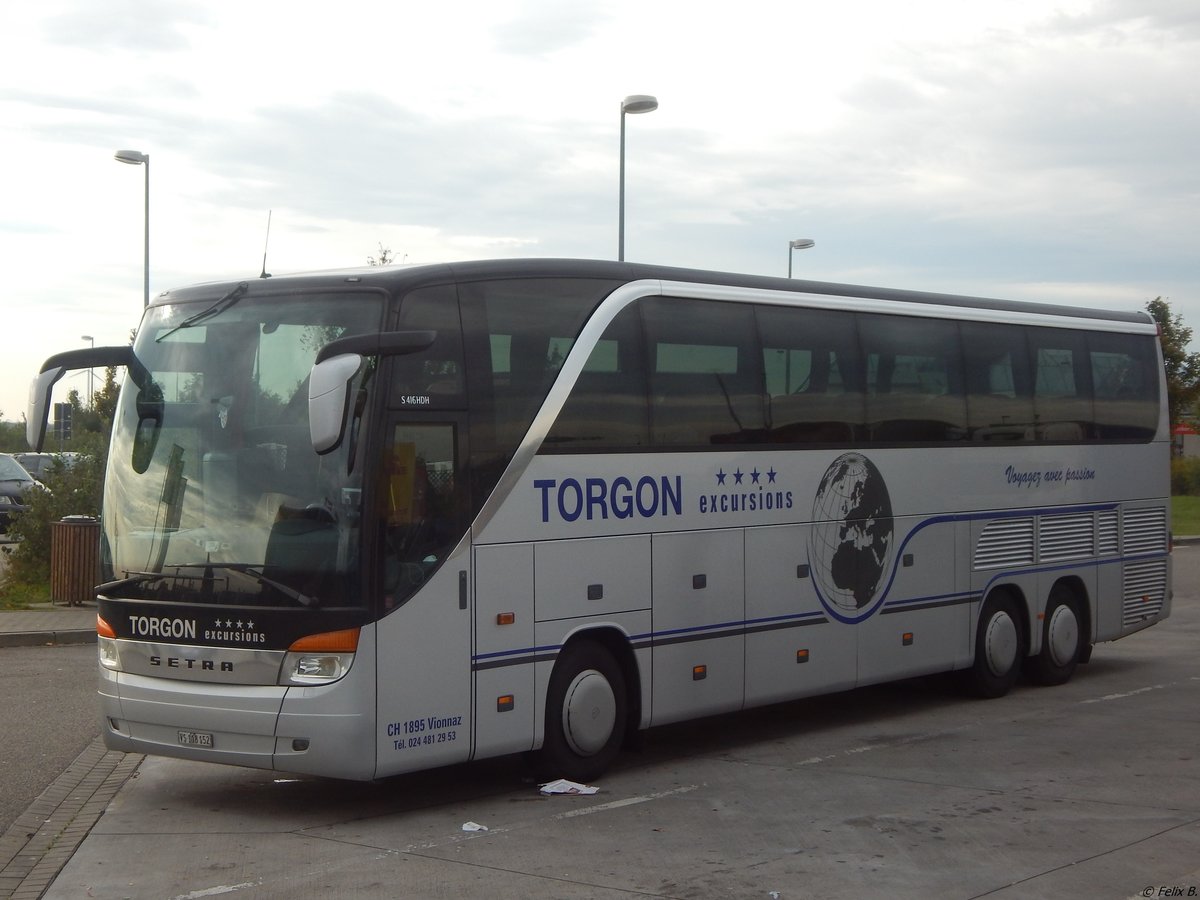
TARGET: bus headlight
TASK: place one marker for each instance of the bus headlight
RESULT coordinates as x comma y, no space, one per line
110,657
315,668
319,658
106,645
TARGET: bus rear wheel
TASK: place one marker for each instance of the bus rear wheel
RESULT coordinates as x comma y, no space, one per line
586,709
1062,639
999,646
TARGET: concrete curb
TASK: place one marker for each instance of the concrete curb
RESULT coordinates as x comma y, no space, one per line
41,638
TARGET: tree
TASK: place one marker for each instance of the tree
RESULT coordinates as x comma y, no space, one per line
74,489
104,401
12,436
1182,367
385,257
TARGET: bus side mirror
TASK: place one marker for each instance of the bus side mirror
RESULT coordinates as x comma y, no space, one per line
329,400
150,417
39,406
58,365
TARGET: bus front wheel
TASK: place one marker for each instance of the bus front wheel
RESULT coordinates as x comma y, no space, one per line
585,713
999,646
1062,639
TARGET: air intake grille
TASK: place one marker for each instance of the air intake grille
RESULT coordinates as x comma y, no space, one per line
1145,591
1008,542
1108,528
1145,531
1065,537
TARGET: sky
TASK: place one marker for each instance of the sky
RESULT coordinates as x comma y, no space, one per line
1045,150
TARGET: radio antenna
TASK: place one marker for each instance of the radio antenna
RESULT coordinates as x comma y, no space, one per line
265,273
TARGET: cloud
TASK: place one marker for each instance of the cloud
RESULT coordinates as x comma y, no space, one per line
548,27
1172,19
126,25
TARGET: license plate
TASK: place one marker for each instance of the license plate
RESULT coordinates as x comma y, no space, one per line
195,738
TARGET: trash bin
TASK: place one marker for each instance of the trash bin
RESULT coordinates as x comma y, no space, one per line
74,559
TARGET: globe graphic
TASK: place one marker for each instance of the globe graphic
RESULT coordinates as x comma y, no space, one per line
851,539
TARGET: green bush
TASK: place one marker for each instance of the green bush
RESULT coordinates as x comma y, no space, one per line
73,491
1185,476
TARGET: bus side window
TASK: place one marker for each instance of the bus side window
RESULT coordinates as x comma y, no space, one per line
813,376
706,382
421,514
607,407
1124,382
999,389
1062,390
914,379
434,378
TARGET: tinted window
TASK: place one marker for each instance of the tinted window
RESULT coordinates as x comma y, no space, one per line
813,376
607,408
914,381
1124,370
436,377
999,390
1062,393
716,373
705,375
420,504
514,334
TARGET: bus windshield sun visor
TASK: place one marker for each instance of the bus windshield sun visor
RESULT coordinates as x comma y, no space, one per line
219,307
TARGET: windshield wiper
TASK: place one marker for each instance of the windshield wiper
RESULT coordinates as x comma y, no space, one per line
133,578
219,307
290,593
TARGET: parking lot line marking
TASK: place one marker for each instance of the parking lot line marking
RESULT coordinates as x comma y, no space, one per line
629,801
1134,693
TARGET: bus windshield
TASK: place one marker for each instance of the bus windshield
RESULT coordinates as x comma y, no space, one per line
213,492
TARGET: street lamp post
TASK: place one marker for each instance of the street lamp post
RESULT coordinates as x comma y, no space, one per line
136,158
88,337
633,104
797,244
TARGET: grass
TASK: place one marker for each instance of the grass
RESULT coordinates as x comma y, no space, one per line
16,593
19,595
1185,515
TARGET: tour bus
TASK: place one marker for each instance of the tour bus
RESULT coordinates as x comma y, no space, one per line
368,522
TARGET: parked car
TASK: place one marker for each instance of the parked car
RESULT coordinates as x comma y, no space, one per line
38,464
15,484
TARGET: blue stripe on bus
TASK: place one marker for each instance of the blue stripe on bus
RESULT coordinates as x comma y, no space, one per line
713,631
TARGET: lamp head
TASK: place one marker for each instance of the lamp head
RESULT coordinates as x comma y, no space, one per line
131,157
639,103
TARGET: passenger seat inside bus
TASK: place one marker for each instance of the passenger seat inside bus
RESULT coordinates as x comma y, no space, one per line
302,552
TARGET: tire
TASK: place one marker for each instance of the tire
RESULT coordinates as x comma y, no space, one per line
586,713
1062,639
999,646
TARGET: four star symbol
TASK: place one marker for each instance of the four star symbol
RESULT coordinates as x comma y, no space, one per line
739,476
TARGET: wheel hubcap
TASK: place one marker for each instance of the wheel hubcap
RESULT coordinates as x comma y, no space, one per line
1062,635
1000,643
589,712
